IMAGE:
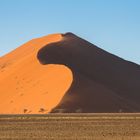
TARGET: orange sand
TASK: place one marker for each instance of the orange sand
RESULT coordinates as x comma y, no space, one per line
26,86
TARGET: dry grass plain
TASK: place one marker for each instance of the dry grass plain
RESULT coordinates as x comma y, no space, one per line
122,126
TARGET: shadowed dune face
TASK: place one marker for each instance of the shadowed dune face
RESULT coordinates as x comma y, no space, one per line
56,53
102,82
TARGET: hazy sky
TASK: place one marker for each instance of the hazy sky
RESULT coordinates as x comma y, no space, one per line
113,25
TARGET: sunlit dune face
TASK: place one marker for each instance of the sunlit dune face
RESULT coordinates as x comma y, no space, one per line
27,86
43,88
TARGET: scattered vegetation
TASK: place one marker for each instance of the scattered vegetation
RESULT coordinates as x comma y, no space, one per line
25,110
42,110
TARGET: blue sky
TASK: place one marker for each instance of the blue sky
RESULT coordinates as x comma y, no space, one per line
113,25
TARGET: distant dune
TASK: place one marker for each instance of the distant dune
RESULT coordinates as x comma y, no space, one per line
64,73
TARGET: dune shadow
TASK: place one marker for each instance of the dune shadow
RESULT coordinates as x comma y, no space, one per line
100,79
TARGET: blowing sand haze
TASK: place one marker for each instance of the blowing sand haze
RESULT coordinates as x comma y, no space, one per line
64,73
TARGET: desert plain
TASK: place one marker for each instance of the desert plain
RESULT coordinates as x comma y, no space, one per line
70,126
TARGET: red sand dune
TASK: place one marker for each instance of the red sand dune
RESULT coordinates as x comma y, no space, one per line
64,73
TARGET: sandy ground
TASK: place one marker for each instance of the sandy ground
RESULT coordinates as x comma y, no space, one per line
70,127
